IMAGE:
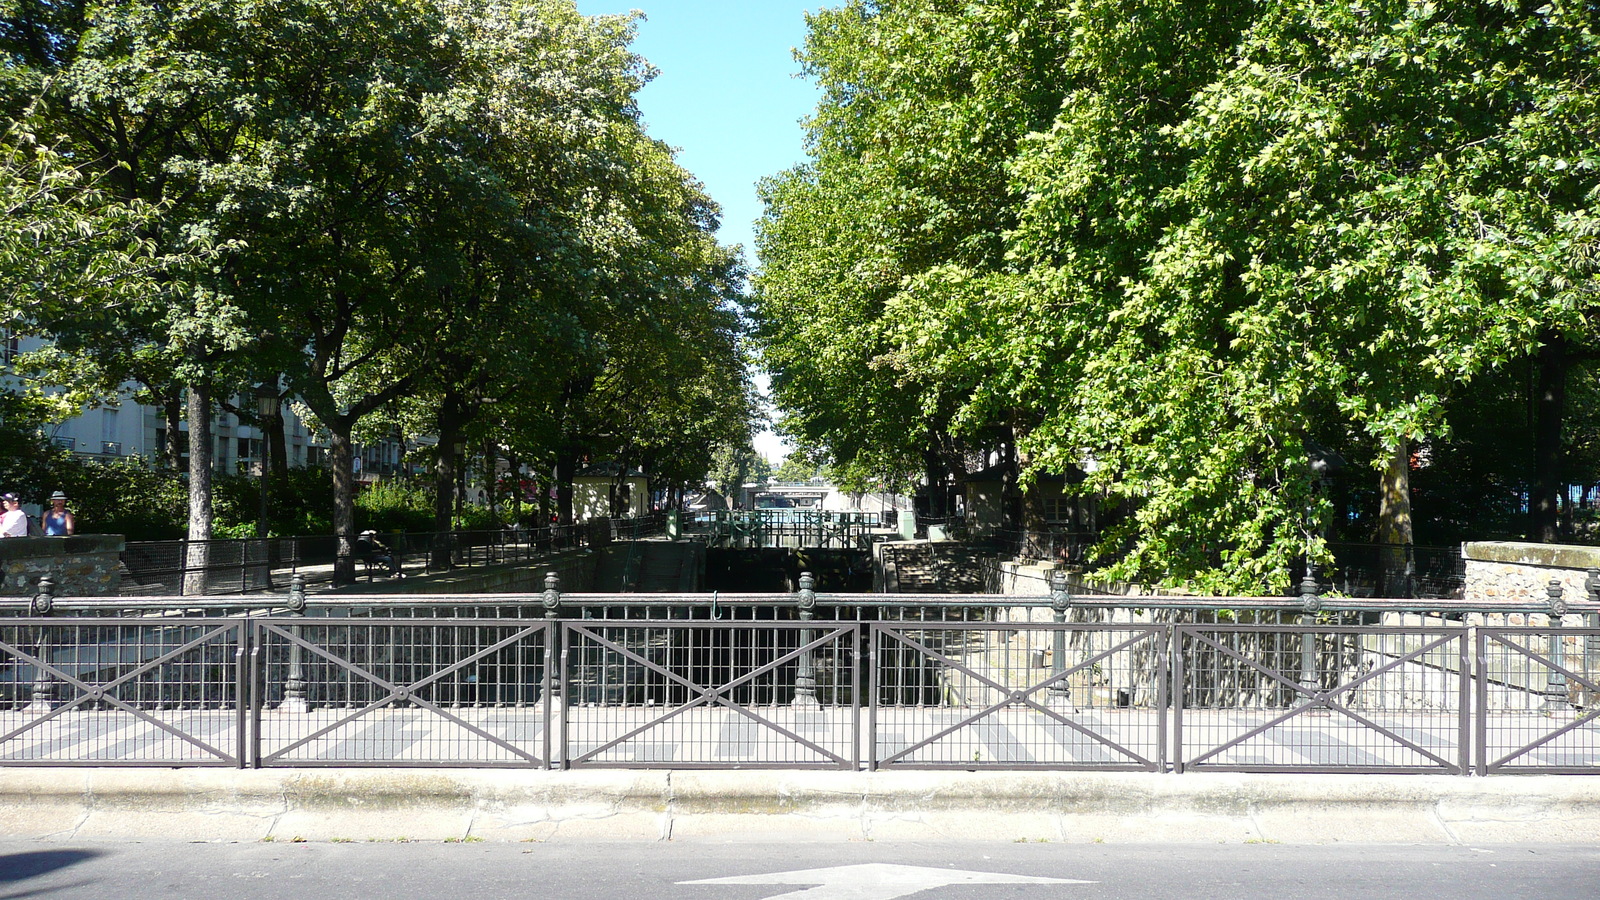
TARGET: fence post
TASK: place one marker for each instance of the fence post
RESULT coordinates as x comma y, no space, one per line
805,679
1060,692
294,686
44,686
555,675
1311,604
1555,685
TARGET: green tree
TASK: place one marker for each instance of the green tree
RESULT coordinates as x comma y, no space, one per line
1223,234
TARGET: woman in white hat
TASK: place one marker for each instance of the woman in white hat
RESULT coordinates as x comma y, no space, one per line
57,521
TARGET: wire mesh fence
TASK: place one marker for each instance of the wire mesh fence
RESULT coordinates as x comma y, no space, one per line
1041,695
1321,698
741,681
127,692
710,694
1538,699
400,693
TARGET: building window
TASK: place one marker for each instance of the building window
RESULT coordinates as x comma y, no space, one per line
1057,509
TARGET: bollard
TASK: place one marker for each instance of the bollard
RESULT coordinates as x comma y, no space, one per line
294,686
44,686
805,679
1060,692
1556,701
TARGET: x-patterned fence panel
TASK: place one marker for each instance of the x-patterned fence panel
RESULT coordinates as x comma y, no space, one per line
1018,695
401,692
710,694
119,692
1253,698
1538,700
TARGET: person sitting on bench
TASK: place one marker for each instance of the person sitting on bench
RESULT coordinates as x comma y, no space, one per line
371,551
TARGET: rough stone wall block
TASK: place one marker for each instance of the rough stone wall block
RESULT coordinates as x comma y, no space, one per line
82,565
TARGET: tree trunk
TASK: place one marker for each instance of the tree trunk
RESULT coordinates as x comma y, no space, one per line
514,475
491,481
566,468
540,485
1549,409
461,488
444,489
200,511
1395,533
1033,518
933,473
341,456
172,413
279,450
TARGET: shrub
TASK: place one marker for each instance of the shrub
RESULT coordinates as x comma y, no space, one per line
394,506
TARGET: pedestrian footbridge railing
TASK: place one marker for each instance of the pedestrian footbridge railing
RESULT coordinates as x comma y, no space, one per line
803,680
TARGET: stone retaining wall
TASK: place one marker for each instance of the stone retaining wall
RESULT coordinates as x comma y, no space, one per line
84,565
1510,571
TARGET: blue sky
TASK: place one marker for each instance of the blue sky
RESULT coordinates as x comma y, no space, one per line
728,98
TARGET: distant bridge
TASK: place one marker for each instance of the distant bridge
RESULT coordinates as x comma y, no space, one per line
791,527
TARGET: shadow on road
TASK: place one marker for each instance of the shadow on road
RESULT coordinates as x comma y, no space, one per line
22,866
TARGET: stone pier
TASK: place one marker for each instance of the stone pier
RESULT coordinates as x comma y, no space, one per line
1517,572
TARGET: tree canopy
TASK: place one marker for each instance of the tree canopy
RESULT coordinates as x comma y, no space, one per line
1181,245
446,213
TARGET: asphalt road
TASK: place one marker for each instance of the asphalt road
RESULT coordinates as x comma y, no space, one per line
853,871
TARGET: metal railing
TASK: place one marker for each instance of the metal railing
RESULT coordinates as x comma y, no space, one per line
254,565
804,680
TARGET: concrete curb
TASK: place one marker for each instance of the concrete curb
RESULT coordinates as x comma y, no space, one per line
518,805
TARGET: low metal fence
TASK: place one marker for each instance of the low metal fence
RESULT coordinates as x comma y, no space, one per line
960,695
139,692
709,695
252,565
807,680
1262,698
341,692
1538,699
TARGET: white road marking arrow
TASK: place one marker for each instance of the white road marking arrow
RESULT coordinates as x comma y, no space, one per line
877,881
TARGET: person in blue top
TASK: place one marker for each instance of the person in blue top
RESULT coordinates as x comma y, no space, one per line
57,522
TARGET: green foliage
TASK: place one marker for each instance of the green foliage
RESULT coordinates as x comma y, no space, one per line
124,496
1176,243
446,214
796,468
395,506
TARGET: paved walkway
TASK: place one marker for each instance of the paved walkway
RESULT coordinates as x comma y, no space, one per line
790,736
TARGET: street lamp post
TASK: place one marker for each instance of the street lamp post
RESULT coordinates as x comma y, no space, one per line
267,405
460,487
